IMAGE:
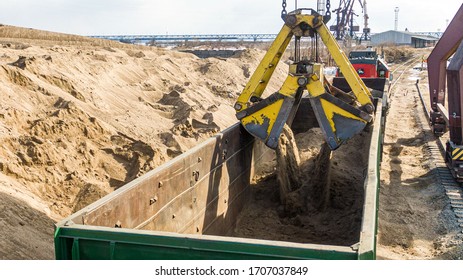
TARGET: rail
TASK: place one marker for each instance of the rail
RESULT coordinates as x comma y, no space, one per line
401,67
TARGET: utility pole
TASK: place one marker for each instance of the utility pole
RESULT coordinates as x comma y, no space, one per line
396,25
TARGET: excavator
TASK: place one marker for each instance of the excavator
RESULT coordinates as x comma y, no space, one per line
340,115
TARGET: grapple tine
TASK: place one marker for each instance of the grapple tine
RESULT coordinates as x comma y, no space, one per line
266,119
338,121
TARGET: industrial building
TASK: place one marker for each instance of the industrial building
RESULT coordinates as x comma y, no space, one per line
393,37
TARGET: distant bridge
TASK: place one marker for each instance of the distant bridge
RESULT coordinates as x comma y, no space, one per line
186,38
208,37
432,34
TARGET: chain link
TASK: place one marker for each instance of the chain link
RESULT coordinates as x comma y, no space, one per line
328,8
283,12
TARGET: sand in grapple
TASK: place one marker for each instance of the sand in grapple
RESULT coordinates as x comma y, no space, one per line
295,192
321,178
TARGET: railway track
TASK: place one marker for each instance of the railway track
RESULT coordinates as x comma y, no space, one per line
435,151
402,68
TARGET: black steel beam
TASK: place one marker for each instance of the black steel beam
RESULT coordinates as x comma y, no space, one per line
455,91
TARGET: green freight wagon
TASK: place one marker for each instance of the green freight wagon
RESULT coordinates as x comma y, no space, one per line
185,208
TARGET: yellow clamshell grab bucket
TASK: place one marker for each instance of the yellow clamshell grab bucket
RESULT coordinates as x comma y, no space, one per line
338,119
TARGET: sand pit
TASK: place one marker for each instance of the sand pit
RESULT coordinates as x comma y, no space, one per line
330,214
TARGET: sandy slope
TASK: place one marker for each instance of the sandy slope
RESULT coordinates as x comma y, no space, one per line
78,119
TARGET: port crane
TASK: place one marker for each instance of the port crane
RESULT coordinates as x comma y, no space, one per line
345,20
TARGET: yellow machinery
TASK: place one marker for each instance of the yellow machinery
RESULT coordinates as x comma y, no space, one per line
340,115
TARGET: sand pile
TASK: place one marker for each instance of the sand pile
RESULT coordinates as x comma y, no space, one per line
395,54
81,117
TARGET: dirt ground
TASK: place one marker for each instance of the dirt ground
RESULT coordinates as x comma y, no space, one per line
415,218
81,117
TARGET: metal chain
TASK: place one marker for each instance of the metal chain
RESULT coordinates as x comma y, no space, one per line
328,8
283,12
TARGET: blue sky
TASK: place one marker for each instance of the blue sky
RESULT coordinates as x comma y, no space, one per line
105,17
